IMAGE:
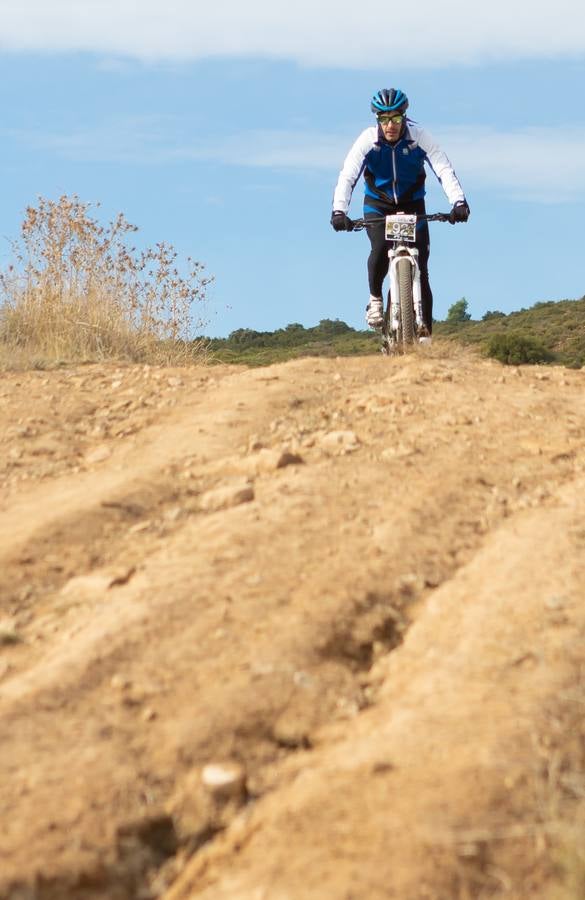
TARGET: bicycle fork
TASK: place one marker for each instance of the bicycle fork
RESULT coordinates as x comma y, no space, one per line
410,253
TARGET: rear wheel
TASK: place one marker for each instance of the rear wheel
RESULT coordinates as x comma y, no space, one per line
406,306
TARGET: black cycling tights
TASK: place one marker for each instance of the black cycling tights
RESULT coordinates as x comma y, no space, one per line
378,264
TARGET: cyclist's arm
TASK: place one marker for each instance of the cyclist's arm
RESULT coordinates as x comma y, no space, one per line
353,167
441,166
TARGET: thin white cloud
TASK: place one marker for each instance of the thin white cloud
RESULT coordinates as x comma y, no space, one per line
136,140
155,140
329,33
539,164
522,163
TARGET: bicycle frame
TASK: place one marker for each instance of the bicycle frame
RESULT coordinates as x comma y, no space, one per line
401,235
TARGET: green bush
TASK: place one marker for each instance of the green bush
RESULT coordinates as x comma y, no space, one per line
517,350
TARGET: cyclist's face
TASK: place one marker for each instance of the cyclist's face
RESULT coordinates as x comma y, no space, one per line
391,125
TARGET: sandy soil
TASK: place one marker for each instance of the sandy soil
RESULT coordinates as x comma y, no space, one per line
355,586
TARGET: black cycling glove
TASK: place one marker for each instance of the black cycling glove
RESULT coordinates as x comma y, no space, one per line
340,221
460,212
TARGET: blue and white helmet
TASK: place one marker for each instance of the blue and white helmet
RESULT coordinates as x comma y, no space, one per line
389,100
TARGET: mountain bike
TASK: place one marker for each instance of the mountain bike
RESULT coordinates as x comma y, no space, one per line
403,319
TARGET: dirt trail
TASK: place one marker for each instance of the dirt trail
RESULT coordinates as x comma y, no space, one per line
358,580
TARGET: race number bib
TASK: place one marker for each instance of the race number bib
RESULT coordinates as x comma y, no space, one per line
401,228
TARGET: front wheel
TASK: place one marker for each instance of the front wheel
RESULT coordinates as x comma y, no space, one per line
405,301
390,340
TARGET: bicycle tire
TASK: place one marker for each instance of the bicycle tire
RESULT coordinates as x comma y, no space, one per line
387,339
405,301
391,340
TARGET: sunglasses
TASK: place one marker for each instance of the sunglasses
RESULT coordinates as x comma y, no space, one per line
390,120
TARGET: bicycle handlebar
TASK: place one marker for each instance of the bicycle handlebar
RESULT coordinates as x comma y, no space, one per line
359,224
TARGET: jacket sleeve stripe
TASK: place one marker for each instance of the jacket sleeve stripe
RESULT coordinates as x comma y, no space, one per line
353,167
441,166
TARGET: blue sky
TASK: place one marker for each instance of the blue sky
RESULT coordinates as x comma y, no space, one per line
223,131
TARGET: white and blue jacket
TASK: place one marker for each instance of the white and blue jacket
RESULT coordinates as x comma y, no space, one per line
394,174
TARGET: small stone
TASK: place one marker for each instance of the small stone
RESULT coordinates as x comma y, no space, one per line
382,767
268,460
265,460
120,683
403,451
287,458
255,444
8,633
117,407
409,585
341,441
140,526
46,447
303,679
224,781
86,586
149,714
292,728
555,603
261,670
121,575
468,850
98,455
5,668
131,698
226,497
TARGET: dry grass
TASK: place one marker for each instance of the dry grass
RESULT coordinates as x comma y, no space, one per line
78,291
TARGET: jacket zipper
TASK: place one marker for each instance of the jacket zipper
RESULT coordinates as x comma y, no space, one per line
394,174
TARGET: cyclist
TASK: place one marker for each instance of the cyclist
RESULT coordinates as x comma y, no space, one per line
391,155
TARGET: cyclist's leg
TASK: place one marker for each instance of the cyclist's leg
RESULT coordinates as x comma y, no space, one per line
378,258
423,246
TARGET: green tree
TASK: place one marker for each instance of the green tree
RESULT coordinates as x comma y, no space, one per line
331,326
245,337
458,312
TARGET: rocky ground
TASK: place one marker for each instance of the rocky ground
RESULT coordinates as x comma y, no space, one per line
309,631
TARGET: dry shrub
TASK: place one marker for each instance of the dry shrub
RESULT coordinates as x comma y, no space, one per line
78,290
